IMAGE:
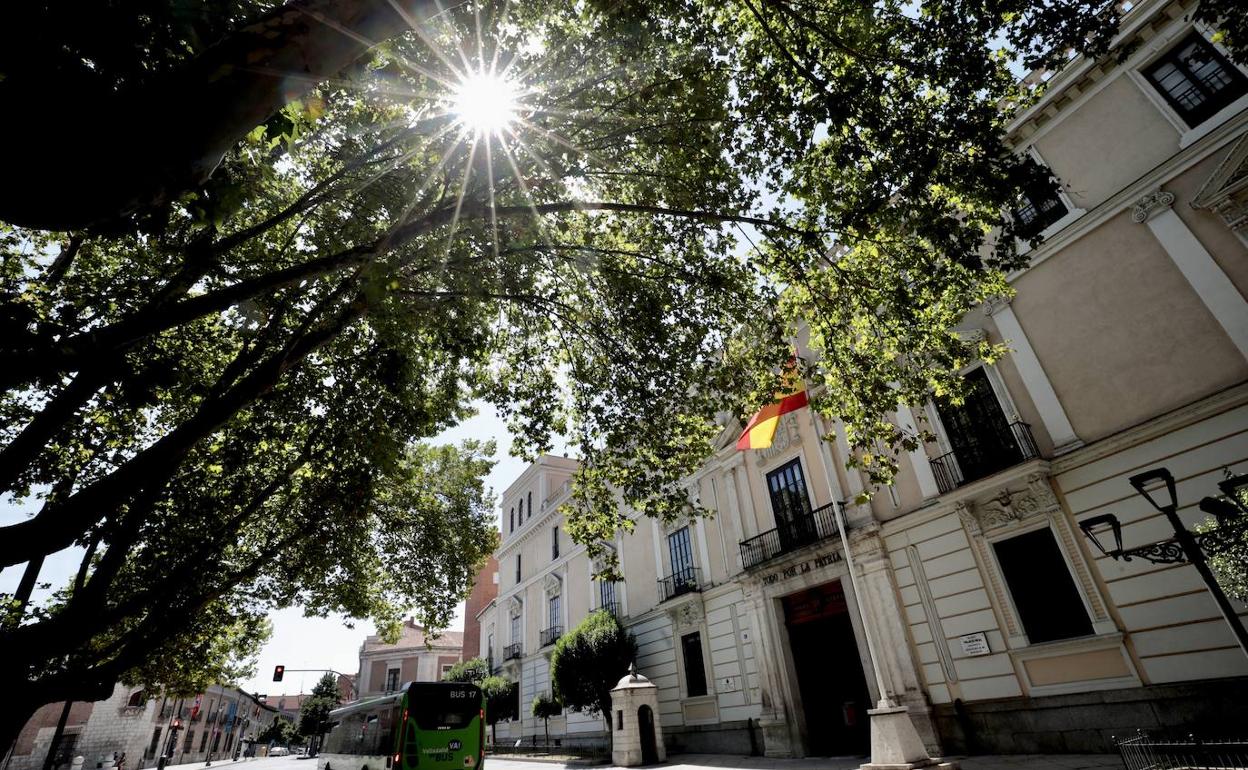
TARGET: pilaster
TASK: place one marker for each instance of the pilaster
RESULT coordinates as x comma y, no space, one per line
1034,378
1196,264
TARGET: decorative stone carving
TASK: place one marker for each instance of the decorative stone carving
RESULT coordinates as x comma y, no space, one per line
996,305
786,436
599,563
968,518
1010,505
1150,205
688,615
515,607
1226,189
552,584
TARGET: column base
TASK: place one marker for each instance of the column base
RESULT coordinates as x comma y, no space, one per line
895,743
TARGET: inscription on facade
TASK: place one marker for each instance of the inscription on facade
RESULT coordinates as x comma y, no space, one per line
801,568
975,644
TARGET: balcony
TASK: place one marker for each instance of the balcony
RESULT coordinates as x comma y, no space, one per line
512,652
685,581
612,607
984,455
551,635
801,530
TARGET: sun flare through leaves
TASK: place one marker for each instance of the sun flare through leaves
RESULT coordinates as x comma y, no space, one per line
485,102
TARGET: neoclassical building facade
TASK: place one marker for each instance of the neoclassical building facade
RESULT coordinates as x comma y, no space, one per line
1000,626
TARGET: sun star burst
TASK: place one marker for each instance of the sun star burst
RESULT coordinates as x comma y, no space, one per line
485,102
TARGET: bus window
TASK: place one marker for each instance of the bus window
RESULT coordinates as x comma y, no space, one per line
445,713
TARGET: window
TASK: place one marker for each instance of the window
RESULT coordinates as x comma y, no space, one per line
1044,593
606,596
517,568
489,649
137,699
155,745
190,741
515,629
203,740
530,498
392,680
446,669
554,543
1040,207
1196,80
789,504
695,672
681,552
552,612
619,719
513,520
522,510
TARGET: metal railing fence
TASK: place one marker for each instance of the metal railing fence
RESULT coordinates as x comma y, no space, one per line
1146,752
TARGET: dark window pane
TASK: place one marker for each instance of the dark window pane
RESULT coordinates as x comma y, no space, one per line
1043,590
695,672
681,552
1196,80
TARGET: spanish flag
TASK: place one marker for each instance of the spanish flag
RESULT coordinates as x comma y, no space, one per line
761,429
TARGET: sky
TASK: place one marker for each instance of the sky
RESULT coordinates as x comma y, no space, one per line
300,642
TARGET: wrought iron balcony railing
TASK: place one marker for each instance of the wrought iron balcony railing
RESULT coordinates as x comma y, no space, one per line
551,635
684,581
612,607
985,457
789,535
512,652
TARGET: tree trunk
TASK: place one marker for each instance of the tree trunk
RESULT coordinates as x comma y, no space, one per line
150,144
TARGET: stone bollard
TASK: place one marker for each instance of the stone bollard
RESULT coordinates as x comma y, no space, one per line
77,763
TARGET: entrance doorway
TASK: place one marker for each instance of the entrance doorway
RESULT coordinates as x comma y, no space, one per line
645,725
829,671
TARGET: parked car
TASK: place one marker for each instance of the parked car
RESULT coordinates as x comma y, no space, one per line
278,751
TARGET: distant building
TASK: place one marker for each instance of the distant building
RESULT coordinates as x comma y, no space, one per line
484,591
222,722
416,657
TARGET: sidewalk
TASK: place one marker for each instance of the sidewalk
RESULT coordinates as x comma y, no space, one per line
736,762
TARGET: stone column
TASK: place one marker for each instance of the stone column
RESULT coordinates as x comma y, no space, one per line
1199,268
887,620
1034,379
774,720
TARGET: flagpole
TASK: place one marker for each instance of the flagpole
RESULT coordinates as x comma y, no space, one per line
895,743
869,636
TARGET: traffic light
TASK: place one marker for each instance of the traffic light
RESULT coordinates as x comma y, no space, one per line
278,672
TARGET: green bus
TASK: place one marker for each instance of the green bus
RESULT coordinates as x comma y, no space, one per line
425,726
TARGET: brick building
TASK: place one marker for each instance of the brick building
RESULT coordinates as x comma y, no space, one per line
484,591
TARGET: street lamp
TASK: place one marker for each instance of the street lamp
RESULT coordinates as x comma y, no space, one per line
1157,487
170,745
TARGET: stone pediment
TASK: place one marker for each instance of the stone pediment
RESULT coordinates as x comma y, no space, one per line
1009,504
1226,190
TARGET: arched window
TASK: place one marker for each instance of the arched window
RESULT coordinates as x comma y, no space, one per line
137,698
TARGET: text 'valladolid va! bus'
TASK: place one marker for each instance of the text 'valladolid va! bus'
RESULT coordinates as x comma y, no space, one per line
425,726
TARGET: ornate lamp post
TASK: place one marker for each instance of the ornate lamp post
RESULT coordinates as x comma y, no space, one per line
1157,487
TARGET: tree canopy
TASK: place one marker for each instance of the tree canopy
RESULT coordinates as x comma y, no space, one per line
314,711
286,261
588,661
474,671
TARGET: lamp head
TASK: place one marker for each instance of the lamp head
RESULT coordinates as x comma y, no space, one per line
1236,490
1105,520
1222,509
1157,487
